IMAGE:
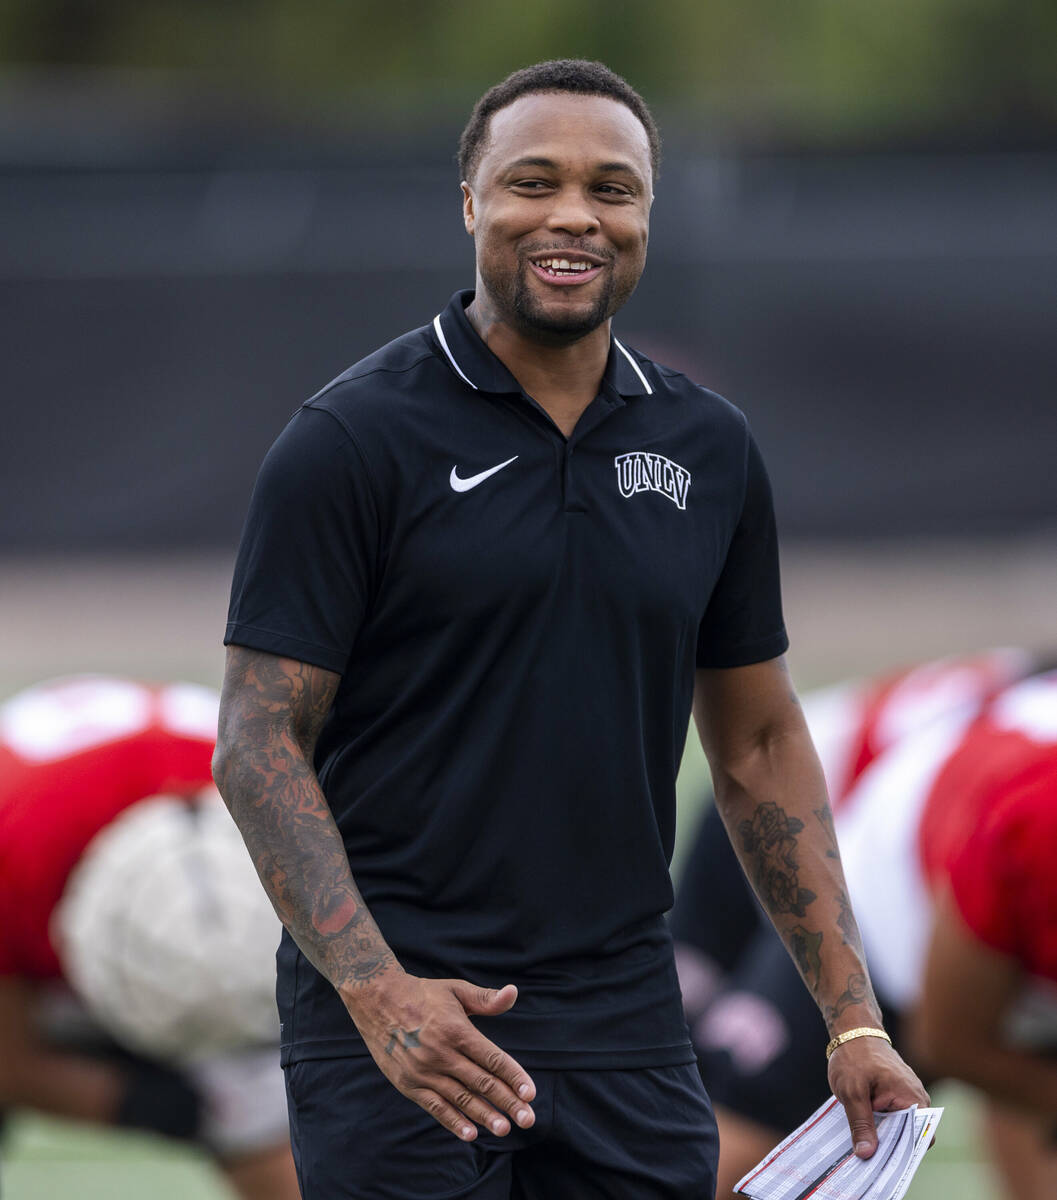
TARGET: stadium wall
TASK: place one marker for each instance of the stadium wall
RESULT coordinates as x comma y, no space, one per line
885,320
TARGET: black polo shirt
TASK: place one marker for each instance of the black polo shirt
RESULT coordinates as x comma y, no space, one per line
516,618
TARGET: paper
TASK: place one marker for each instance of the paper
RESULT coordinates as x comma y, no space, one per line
816,1160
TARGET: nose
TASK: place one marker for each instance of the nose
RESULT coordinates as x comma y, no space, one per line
572,212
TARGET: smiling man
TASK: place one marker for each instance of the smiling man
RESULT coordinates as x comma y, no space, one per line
485,576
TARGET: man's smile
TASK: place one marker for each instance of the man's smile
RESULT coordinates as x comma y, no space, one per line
565,269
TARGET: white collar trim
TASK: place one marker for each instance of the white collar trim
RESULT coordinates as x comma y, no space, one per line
634,367
451,358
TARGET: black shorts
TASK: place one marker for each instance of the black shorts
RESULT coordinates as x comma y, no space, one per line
642,1134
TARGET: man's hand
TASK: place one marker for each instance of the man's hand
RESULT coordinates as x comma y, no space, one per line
867,1076
420,1034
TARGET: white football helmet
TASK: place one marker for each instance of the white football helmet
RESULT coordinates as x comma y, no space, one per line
166,933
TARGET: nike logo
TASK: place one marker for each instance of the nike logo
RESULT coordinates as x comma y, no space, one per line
464,485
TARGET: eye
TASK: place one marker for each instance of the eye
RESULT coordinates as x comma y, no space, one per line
616,190
530,185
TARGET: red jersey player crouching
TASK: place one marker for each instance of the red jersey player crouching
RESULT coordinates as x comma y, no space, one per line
948,833
136,948
986,1006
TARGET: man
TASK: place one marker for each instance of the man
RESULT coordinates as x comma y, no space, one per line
484,575
94,889
946,826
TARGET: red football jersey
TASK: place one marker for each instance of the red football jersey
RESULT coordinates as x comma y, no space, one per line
887,709
990,825
73,754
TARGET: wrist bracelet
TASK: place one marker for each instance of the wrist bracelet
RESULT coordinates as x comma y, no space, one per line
851,1034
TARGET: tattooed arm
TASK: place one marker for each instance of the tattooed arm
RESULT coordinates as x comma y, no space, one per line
418,1031
771,794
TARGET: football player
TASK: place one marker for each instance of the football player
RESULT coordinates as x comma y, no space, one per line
945,795
121,873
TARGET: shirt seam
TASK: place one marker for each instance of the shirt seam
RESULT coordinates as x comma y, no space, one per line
372,479
779,638
746,440
361,1049
428,353
760,641
286,637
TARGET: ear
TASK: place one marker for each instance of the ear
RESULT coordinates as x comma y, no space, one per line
467,207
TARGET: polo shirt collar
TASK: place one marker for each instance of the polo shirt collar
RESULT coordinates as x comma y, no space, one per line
476,365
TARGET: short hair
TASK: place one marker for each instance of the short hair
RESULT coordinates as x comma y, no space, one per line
579,76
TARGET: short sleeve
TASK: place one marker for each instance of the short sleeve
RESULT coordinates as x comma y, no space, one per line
306,562
743,622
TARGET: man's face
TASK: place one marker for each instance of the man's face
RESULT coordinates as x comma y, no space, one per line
559,210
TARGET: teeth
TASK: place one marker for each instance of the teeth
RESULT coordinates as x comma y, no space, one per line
563,264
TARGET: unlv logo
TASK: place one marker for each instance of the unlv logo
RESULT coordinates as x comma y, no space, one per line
642,472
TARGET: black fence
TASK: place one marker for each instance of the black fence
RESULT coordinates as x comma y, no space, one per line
886,321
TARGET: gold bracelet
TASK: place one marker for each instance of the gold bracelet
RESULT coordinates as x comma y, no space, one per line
850,1034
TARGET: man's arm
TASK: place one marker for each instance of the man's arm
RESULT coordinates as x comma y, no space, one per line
771,794
271,713
958,1023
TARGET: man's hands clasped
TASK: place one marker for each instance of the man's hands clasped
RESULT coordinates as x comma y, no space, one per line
420,1034
867,1076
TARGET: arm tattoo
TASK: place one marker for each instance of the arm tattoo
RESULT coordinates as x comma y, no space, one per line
770,838
856,991
806,946
846,922
845,917
824,815
272,712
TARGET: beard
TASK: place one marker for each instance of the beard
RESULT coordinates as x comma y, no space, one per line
529,312
533,316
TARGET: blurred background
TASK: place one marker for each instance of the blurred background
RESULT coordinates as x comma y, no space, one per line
208,211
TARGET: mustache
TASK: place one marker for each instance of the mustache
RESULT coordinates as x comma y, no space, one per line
567,247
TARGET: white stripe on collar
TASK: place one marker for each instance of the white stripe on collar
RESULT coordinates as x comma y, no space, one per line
463,376
634,367
451,358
